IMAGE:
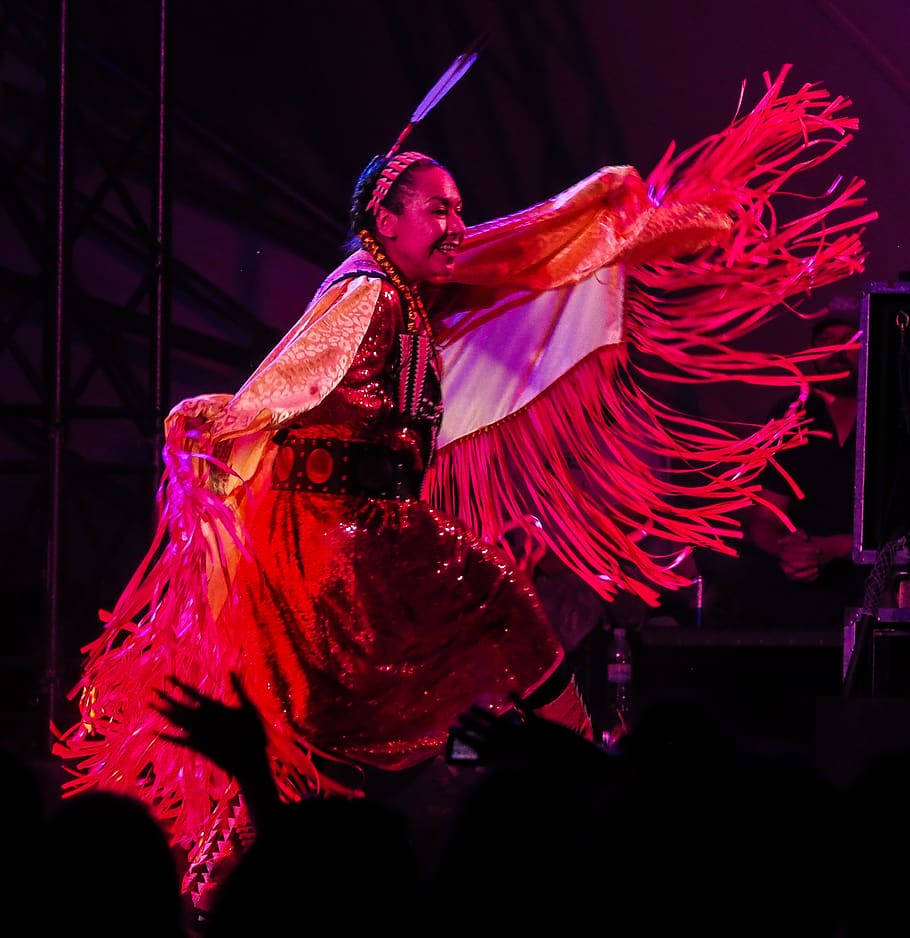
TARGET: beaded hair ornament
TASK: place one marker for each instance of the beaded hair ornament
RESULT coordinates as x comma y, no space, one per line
395,167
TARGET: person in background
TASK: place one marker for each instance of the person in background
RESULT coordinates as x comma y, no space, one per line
803,578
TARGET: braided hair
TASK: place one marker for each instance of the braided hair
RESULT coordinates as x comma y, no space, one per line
360,216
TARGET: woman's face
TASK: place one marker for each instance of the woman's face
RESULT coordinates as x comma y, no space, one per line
422,240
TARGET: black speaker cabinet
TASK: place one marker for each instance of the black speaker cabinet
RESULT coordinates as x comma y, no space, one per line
886,665
882,492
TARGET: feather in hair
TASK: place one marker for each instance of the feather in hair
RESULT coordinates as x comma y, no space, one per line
452,75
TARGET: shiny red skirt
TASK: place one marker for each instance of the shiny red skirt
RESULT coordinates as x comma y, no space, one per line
367,625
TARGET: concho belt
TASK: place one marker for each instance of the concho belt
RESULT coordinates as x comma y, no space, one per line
344,467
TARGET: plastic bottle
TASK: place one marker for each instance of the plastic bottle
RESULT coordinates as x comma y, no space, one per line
619,688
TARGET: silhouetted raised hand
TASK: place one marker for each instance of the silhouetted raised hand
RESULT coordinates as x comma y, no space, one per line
233,738
520,736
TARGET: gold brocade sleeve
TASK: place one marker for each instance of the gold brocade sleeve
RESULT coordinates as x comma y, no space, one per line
308,363
606,218
223,441
296,376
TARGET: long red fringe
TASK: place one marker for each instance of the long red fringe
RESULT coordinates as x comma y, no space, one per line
581,470
163,625
615,482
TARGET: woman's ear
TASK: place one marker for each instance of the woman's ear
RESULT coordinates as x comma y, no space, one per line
387,223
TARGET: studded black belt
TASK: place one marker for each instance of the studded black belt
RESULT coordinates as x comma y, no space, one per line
344,467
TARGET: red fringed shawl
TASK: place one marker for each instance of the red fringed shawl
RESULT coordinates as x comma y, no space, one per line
589,462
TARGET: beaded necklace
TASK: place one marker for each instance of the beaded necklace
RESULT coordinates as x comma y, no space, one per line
417,313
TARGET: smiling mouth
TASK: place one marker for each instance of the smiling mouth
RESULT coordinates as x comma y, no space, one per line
447,249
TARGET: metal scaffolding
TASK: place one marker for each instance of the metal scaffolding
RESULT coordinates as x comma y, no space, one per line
84,371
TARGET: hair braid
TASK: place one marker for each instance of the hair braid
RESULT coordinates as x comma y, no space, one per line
361,218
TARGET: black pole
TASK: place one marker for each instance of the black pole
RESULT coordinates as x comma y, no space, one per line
858,679
161,289
57,363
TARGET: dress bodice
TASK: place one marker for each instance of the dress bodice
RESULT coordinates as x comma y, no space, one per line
390,395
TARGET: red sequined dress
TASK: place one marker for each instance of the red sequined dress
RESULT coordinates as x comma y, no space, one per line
369,623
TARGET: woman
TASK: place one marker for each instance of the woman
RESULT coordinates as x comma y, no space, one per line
292,547
361,620
356,585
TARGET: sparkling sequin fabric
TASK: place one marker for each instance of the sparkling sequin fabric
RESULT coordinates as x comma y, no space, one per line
368,624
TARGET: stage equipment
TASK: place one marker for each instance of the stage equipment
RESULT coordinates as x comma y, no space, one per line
874,633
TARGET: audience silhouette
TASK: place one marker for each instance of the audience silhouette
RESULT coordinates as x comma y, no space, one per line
682,827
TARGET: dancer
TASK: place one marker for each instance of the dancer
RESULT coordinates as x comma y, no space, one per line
293,547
